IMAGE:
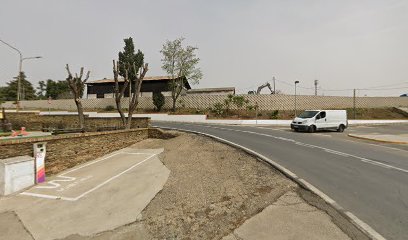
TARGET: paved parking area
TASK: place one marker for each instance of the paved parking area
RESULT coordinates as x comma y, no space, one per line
94,197
83,180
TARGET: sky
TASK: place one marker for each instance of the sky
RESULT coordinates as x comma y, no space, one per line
344,44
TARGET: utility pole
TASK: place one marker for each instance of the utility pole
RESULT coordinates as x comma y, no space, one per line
296,82
315,84
274,90
354,103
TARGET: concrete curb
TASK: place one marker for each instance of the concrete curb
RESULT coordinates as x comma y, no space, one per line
359,224
375,140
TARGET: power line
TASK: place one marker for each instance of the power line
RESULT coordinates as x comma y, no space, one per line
292,85
374,88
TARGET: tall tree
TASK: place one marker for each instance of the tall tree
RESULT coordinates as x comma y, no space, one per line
41,89
2,94
55,89
132,69
27,90
181,64
77,86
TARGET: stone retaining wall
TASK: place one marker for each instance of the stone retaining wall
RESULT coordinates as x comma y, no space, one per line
35,122
68,150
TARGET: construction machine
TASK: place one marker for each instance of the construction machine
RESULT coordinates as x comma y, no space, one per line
258,91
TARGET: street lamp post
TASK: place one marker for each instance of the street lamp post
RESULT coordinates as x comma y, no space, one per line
19,76
296,82
20,70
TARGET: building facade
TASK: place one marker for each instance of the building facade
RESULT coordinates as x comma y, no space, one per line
105,88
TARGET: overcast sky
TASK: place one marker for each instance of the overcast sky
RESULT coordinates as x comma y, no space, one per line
344,44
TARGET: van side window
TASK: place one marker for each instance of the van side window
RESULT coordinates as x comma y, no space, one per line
322,114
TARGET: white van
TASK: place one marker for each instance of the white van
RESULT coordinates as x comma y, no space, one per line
313,120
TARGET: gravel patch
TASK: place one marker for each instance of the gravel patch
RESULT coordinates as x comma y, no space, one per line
212,189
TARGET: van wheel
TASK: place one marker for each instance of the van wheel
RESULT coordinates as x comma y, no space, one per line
341,128
312,129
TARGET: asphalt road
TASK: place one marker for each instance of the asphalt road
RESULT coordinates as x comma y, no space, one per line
392,129
369,180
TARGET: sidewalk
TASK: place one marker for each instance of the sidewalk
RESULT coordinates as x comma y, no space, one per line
385,138
290,217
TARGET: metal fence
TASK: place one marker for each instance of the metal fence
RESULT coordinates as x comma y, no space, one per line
202,102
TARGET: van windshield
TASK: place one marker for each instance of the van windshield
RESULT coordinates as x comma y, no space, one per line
308,114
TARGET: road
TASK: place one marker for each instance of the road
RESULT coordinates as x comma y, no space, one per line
366,179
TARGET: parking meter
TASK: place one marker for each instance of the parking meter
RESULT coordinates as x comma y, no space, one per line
39,155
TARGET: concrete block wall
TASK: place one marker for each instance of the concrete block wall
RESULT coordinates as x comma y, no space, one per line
264,101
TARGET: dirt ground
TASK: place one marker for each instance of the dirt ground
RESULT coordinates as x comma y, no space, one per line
212,190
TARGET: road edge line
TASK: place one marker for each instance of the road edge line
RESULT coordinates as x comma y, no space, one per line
358,223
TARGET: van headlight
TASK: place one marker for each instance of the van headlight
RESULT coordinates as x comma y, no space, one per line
304,121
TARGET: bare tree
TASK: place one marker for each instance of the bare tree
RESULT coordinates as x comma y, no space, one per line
181,63
137,84
119,91
77,86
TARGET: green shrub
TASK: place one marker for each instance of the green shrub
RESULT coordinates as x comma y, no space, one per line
250,107
273,114
158,100
218,109
109,108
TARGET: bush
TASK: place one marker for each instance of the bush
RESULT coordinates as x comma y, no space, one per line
158,100
273,114
218,109
109,108
250,107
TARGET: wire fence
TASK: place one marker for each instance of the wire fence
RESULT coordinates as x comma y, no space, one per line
203,102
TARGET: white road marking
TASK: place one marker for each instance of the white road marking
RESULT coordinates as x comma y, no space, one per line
102,159
92,189
112,178
365,160
323,135
379,145
47,196
55,184
360,224
274,128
